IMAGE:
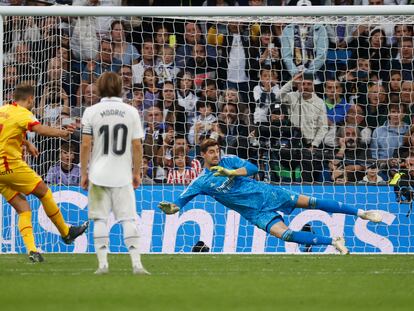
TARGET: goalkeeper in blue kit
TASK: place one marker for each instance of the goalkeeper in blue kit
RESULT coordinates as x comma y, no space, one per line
225,179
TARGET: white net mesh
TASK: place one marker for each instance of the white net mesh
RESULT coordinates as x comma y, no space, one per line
339,130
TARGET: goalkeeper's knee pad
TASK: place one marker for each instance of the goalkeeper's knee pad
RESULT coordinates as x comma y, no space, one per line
131,234
100,234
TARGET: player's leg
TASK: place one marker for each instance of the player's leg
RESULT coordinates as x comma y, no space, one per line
24,224
332,206
125,213
20,204
281,231
69,234
43,193
101,241
99,208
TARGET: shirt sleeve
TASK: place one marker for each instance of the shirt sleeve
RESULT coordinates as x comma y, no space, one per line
234,162
137,132
86,123
189,193
28,121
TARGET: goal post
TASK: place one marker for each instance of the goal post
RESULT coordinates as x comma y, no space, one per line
319,135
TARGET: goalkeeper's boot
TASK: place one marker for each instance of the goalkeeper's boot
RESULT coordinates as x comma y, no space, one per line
35,257
371,216
339,244
74,232
139,271
102,270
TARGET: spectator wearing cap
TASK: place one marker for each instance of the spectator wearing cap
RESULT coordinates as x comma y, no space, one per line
389,137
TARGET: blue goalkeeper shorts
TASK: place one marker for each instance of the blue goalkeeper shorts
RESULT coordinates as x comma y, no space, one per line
267,217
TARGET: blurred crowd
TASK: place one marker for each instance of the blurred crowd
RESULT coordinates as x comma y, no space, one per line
311,103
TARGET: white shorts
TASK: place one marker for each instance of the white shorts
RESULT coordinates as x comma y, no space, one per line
104,200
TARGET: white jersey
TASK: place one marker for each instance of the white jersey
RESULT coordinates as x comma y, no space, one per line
113,125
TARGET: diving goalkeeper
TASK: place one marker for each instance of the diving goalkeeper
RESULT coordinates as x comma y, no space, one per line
226,181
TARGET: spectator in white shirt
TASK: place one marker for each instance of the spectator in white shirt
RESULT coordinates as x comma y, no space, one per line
147,60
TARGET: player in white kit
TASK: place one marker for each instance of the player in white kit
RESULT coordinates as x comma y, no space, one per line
112,130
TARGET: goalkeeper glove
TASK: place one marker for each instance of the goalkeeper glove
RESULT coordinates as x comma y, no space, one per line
168,208
221,171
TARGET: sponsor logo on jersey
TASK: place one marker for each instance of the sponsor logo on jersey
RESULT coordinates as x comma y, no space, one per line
226,185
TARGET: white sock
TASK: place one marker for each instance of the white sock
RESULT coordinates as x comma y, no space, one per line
101,239
360,212
131,238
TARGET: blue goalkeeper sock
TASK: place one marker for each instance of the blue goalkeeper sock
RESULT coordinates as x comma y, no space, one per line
307,238
332,206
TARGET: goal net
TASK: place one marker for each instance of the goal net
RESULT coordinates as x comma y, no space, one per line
321,104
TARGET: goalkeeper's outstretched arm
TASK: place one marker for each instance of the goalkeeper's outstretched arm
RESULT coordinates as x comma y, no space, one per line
186,196
234,166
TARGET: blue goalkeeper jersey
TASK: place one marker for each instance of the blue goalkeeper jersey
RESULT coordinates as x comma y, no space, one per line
250,198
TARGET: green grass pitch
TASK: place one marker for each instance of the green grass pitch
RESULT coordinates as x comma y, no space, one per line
209,282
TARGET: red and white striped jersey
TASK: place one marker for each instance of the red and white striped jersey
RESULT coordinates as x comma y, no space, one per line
181,177
196,165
